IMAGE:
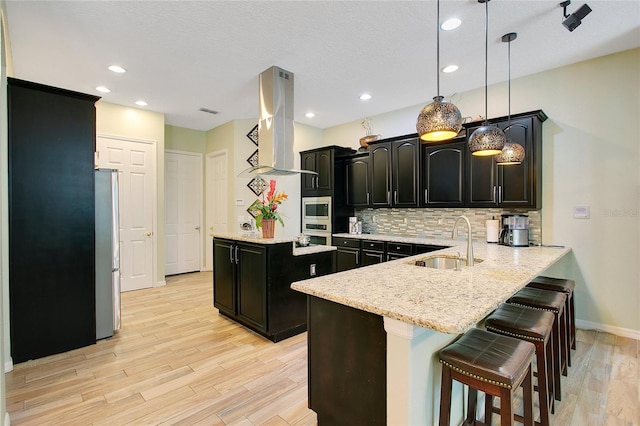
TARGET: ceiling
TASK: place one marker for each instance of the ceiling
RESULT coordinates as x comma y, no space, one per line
181,56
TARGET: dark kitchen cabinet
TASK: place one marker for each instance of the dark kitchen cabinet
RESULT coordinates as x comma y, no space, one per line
491,185
321,162
398,250
372,252
358,181
347,253
51,144
251,285
443,174
394,168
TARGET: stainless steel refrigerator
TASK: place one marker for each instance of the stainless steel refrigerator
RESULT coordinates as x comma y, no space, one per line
107,262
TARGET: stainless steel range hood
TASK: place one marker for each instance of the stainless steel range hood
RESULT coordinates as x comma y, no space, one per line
275,125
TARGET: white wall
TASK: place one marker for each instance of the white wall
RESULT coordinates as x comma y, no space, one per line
591,157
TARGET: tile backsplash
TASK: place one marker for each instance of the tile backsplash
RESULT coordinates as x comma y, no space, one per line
438,223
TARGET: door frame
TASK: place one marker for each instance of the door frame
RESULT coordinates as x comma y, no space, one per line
200,198
207,174
154,198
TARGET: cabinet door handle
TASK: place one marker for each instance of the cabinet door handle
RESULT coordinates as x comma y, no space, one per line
426,195
231,254
367,198
500,197
395,197
357,258
494,194
388,197
237,258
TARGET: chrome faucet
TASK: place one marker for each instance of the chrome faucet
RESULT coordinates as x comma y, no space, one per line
454,235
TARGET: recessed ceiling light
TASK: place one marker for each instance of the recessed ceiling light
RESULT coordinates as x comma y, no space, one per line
117,69
141,103
365,97
102,89
451,24
309,115
450,68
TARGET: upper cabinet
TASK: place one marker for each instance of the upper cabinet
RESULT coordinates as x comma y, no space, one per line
402,172
394,169
491,185
321,162
443,173
327,163
358,191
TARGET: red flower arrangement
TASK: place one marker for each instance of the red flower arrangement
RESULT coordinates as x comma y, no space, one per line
268,207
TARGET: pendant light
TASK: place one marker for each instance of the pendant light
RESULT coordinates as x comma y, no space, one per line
439,120
512,153
487,139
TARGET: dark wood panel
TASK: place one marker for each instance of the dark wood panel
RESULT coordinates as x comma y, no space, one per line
347,365
51,220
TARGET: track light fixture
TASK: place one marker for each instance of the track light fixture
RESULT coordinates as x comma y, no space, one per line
574,20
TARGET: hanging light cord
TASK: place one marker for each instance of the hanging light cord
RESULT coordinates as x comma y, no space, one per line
509,59
438,49
486,60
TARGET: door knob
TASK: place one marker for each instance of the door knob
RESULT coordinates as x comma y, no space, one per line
197,228
148,234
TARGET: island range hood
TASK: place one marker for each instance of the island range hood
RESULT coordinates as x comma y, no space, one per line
275,125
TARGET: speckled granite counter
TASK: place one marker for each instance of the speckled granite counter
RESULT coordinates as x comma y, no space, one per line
257,239
445,301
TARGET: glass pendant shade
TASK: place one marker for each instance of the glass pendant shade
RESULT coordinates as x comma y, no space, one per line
439,121
487,140
512,153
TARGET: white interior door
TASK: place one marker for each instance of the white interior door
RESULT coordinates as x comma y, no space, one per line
217,200
183,205
135,162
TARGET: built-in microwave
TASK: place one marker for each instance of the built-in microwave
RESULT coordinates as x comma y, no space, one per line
316,219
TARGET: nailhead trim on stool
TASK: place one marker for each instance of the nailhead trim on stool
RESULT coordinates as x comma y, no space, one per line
534,326
565,286
494,364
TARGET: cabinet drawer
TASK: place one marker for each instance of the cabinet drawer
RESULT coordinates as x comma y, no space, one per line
399,248
373,245
346,242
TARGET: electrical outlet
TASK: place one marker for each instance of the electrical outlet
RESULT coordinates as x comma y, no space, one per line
405,220
312,270
581,212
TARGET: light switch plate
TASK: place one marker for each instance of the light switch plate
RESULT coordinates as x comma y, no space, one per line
581,212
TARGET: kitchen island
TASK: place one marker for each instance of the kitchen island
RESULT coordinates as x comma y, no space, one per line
410,313
252,278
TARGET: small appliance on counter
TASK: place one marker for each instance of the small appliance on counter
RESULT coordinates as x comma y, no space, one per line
515,230
493,230
355,226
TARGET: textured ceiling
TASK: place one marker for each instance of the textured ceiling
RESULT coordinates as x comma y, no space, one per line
184,55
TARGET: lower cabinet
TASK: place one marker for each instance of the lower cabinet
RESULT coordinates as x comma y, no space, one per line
251,285
353,253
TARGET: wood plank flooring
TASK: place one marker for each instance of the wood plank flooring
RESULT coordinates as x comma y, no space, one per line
177,361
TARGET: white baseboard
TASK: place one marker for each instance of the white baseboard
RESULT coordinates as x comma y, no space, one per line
7,419
160,283
618,331
8,365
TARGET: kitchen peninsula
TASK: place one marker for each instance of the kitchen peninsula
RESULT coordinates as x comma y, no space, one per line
252,278
395,316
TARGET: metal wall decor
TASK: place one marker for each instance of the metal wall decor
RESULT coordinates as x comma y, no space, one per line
257,185
253,158
253,135
252,209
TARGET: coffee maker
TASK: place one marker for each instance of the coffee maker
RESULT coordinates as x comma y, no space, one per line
515,230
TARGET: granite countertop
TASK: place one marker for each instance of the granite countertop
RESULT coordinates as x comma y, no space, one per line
446,301
256,238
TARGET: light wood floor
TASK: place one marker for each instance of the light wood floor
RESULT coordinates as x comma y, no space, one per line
176,361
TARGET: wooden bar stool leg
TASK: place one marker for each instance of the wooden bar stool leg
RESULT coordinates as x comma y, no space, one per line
573,322
555,336
527,397
565,355
472,404
506,407
445,396
488,408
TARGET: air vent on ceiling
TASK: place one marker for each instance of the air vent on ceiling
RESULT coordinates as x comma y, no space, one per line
210,111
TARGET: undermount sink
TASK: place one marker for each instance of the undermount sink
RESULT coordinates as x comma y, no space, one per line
442,262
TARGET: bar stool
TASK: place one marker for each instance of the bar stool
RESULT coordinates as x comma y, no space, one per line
488,362
565,286
553,302
536,327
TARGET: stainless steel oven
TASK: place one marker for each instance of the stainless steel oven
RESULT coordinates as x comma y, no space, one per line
316,219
